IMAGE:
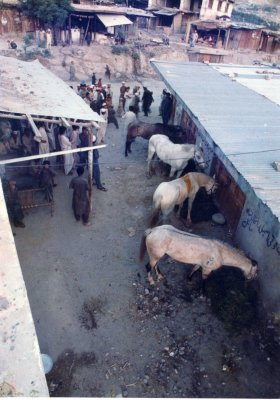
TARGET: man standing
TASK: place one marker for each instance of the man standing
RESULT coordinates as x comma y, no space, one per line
72,72
96,169
166,108
46,180
80,200
42,138
49,39
147,100
13,205
65,144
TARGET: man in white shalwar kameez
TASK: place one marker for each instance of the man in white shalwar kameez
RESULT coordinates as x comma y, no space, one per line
42,138
65,144
101,131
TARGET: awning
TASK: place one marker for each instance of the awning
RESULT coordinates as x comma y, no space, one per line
30,88
166,13
113,20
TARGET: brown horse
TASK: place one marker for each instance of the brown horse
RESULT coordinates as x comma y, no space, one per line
146,131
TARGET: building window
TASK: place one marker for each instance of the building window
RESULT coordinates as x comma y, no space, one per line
227,7
220,5
210,3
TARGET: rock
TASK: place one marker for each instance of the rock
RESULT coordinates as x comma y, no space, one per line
218,218
147,291
131,231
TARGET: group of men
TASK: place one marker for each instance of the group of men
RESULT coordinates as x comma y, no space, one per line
52,137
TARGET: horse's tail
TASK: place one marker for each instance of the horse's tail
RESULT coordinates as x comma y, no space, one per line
154,219
143,246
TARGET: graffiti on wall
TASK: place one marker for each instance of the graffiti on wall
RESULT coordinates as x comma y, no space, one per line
251,221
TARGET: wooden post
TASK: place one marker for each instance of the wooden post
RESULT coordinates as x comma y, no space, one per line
227,39
85,35
90,167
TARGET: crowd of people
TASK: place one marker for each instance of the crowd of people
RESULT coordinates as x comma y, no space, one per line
17,138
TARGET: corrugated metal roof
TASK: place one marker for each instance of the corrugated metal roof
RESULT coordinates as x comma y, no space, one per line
30,88
264,80
113,20
94,8
244,124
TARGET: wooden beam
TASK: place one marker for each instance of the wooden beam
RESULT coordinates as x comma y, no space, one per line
52,121
65,122
54,154
33,126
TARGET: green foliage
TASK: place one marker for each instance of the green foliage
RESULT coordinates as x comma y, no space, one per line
135,55
119,50
28,40
254,19
34,53
50,12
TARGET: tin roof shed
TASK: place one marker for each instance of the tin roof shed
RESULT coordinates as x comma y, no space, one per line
242,123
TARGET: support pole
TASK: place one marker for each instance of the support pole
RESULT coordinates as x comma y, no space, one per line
90,168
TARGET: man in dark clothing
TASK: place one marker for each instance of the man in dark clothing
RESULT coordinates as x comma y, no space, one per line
147,100
80,200
13,205
46,180
83,143
93,79
107,72
166,108
96,169
99,100
112,117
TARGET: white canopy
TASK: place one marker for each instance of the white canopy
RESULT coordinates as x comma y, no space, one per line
113,20
30,88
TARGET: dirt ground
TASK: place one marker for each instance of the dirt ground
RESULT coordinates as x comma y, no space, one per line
108,332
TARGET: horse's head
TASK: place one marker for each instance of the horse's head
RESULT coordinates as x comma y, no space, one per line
253,271
211,186
199,158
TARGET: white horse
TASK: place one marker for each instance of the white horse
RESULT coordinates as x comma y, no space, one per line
209,254
176,155
169,194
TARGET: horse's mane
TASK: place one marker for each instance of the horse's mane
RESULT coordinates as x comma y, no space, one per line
187,146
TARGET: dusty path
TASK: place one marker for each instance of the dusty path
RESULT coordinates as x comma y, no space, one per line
108,332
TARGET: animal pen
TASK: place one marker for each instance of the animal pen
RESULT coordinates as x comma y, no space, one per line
233,112
31,93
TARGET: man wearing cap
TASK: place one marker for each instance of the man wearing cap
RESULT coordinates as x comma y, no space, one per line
101,131
83,89
80,200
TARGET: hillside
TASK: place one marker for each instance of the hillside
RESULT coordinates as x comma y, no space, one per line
260,12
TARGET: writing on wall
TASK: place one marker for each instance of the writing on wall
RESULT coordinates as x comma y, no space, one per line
251,221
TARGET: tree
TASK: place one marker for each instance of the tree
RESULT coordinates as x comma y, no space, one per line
50,12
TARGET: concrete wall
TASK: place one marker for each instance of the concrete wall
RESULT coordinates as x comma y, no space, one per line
212,13
21,370
258,232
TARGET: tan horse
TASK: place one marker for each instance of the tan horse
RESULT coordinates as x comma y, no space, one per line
209,254
169,194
